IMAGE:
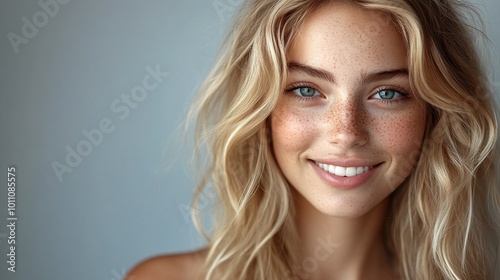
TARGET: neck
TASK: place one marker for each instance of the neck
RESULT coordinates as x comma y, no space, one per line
342,248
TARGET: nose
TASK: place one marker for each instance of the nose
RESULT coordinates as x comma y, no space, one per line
347,124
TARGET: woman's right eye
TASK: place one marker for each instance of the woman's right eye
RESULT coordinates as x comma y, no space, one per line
305,91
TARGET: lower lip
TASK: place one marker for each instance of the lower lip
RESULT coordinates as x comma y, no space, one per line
341,182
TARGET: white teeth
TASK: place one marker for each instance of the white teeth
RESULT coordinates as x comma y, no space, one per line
330,168
339,171
350,171
344,171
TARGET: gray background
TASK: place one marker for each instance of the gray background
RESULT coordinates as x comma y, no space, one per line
127,199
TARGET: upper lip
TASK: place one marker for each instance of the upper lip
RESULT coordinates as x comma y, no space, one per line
347,162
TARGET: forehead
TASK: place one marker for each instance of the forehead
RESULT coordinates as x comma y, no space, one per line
345,34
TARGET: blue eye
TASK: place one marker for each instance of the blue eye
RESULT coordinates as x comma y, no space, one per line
305,91
388,94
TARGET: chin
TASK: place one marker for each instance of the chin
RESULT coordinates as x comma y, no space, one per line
348,206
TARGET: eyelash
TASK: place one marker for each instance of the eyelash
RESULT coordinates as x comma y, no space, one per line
292,87
404,94
289,90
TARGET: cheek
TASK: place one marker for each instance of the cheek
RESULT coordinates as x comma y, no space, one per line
401,134
292,130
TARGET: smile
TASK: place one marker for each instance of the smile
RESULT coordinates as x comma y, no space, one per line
343,171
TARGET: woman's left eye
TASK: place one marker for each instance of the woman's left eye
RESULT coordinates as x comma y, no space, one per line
388,94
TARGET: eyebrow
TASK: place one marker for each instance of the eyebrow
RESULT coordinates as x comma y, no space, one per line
327,76
311,71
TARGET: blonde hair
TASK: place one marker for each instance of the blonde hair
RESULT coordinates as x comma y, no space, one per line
444,219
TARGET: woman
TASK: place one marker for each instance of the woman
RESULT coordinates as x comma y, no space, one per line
347,140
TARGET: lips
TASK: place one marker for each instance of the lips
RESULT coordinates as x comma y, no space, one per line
343,171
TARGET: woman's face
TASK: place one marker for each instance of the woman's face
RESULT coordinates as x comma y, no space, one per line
347,129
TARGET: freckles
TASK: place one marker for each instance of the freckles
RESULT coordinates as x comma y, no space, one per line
400,133
347,118
291,129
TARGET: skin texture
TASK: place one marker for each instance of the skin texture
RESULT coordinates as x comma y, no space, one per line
343,117
346,119
340,230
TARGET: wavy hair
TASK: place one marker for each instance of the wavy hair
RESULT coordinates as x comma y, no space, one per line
444,219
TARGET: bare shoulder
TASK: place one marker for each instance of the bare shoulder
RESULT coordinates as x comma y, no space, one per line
185,266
